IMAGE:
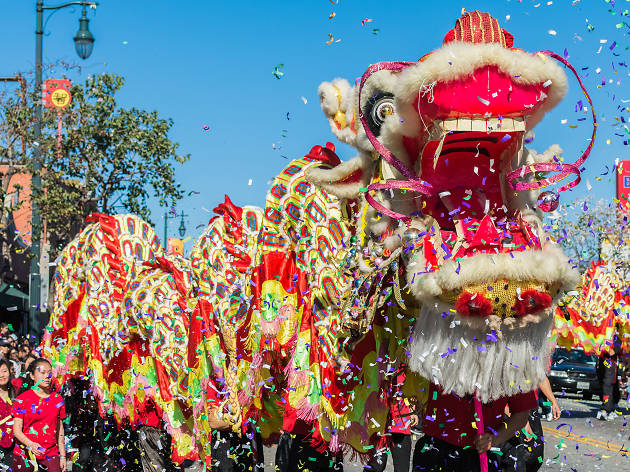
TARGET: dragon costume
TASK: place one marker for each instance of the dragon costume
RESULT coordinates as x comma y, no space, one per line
426,249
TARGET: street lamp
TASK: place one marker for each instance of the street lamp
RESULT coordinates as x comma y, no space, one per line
83,43
182,227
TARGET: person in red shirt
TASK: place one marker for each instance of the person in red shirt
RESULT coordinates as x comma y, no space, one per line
451,442
7,395
37,423
402,419
153,440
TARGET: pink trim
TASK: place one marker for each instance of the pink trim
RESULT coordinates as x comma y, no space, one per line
412,183
564,169
483,457
307,412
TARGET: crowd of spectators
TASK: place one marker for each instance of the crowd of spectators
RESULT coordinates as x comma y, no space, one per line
16,350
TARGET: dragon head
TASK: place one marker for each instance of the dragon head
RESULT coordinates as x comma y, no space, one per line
447,186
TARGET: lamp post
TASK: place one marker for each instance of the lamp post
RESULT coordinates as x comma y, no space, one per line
83,44
181,229
182,226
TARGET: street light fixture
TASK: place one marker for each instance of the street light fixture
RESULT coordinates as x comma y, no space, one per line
182,227
83,43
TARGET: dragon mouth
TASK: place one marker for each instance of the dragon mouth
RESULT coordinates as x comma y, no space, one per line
466,168
472,217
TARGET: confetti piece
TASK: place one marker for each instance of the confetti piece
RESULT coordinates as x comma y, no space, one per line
483,100
552,32
277,73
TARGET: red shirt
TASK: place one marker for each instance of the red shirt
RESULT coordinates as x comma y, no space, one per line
148,414
39,420
399,408
6,428
451,418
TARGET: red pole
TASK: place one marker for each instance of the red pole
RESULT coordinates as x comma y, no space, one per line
483,457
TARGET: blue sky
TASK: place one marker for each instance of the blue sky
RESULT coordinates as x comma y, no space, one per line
210,64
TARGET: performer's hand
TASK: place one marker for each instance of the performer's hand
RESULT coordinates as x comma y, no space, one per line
37,449
62,464
555,410
413,420
483,442
528,433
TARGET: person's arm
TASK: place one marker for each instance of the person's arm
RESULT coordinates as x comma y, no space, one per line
545,388
484,442
61,444
214,422
21,437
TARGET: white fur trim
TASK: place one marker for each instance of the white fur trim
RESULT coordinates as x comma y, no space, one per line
328,179
549,265
335,96
492,372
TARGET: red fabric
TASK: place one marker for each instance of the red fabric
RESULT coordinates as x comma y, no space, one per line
6,429
486,90
450,418
399,410
479,27
39,420
473,304
47,464
294,425
17,384
532,301
147,414
325,154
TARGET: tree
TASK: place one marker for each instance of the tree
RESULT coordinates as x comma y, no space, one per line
14,125
111,159
590,230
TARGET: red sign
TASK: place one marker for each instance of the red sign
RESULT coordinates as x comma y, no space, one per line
56,93
623,184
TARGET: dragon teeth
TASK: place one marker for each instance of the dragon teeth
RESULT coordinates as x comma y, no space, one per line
505,125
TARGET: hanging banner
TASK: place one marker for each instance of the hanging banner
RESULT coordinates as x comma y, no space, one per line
623,185
56,93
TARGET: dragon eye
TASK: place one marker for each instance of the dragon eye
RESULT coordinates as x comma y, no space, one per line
382,109
379,106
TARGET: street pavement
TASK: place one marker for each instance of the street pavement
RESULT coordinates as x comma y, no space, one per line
580,442
577,442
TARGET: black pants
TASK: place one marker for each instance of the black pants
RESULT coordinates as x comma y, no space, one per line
232,452
434,455
7,459
542,399
295,454
401,455
611,394
524,456
155,449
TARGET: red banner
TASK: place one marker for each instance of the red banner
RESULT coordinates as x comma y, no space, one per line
623,184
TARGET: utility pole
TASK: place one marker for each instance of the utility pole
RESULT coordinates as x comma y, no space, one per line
165,241
34,293
83,42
